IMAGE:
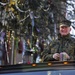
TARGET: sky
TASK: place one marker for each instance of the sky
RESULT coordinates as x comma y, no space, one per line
70,14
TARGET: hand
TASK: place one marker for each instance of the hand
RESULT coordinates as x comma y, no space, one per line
56,56
66,55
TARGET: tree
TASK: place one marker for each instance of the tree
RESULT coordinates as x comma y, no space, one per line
49,12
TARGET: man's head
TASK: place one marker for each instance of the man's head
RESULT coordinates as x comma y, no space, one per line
64,27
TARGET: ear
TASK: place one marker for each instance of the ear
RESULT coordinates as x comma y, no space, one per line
70,28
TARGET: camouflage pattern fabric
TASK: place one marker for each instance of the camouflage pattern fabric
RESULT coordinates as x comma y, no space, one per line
63,44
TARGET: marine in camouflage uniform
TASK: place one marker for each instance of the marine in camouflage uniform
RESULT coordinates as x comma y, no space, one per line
62,44
66,44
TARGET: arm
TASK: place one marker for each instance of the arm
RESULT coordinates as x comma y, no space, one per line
47,55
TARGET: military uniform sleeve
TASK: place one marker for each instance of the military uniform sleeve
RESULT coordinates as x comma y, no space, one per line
47,55
73,41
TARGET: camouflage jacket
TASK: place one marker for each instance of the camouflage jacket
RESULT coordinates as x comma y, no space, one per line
63,44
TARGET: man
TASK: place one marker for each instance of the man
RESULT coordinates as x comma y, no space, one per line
63,48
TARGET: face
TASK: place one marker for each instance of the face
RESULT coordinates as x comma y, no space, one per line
64,30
